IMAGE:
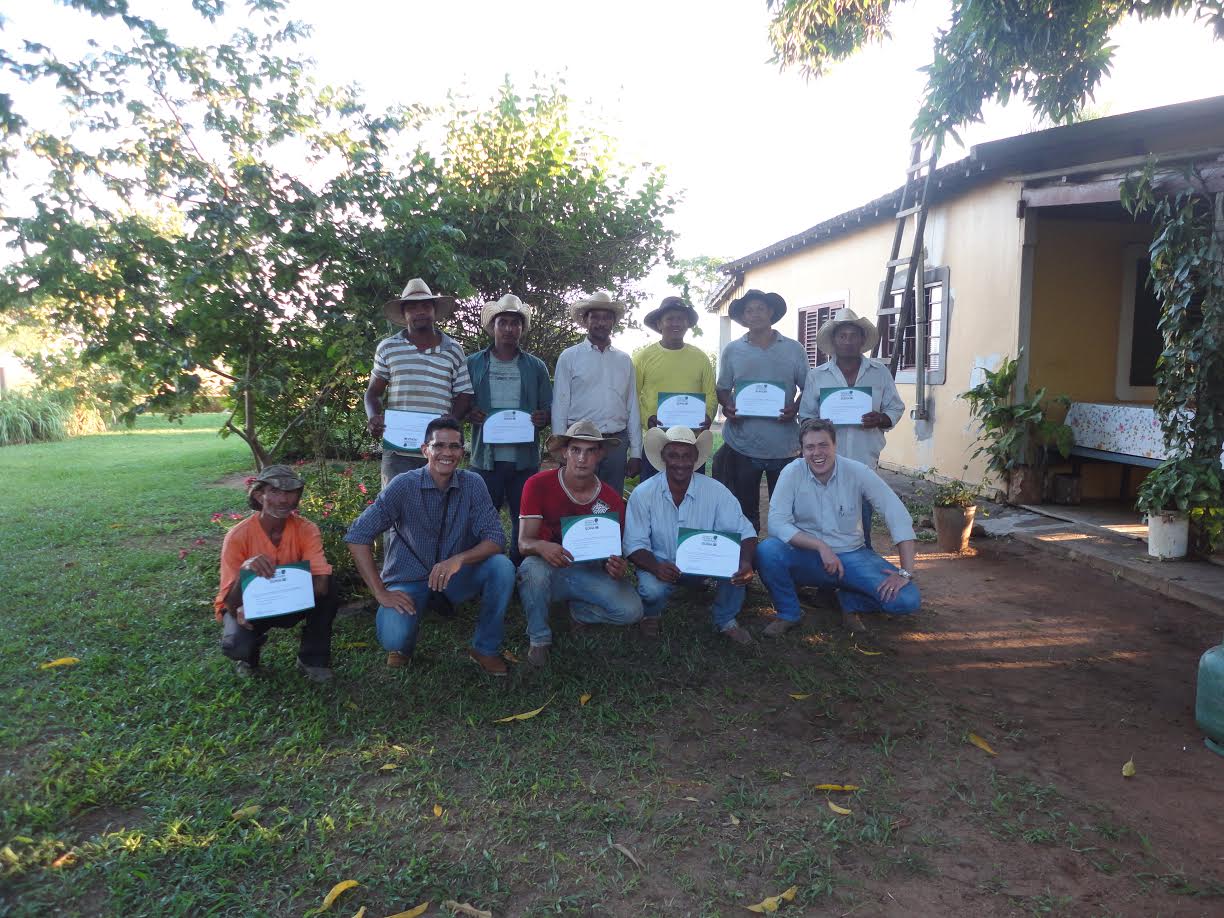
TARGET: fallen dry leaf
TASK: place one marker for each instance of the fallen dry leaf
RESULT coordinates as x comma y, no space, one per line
246,812
1128,770
509,658
981,744
67,859
771,904
868,653
351,706
839,810
733,820
438,811
412,912
836,787
462,908
336,891
62,661
584,698
629,854
526,715
801,696
390,766
694,799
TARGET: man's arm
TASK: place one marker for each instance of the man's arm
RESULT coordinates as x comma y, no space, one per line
809,404
460,404
442,572
633,463
363,557
726,398
561,396
376,424
743,576
530,543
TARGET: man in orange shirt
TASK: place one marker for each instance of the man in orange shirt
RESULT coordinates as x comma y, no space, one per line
275,535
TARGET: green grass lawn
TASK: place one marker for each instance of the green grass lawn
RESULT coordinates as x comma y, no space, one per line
120,776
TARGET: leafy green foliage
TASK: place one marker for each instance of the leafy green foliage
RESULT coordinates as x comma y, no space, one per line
31,417
952,492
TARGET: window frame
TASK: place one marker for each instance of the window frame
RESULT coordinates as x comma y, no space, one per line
1123,390
931,277
831,302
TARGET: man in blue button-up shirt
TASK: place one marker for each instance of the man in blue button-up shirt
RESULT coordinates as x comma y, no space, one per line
816,536
661,505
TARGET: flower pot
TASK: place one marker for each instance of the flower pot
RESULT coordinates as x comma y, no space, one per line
1026,484
952,527
1168,535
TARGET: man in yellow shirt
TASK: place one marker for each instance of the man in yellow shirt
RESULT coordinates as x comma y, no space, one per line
679,372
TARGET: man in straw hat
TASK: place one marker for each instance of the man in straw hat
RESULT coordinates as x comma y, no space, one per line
420,369
816,537
677,499
595,382
671,366
753,446
275,535
597,590
505,377
849,338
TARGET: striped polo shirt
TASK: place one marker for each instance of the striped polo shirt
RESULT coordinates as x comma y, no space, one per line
421,380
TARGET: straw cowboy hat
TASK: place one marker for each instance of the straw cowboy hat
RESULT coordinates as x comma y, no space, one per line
655,316
507,305
656,438
773,300
599,300
583,430
417,291
824,335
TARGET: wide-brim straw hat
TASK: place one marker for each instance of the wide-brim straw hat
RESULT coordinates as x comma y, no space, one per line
774,300
656,438
580,430
824,334
655,316
598,300
417,291
507,305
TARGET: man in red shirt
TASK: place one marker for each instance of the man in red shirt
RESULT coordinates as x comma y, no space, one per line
275,535
597,589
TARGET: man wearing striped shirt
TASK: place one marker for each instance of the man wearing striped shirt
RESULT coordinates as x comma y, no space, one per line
419,369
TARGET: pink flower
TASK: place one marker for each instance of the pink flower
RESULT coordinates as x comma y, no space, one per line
250,480
182,553
365,457
368,502
326,513
199,541
329,505
347,473
217,516
235,516
363,489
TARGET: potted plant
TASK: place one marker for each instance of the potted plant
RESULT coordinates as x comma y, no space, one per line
1016,436
1167,497
953,511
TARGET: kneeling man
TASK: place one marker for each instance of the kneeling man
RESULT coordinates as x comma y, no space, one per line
663,504
597,589
275,535
449,540
816,536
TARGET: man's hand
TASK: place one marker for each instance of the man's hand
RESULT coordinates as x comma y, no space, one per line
667,572
541,418
476,416
705,424
788,413
832,563
554,554
616,566
394,599
743,576
652,421
876,419
442,572
889,589
633,468
260,565
240,618
376,425
729,411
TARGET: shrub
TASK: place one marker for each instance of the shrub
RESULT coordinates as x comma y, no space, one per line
32,417
336,493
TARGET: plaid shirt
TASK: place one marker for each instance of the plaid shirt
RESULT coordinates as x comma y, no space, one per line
412,505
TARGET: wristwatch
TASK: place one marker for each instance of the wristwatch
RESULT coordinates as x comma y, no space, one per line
904,573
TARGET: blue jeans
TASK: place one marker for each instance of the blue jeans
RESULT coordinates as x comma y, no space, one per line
784,567
728,599
492,578
595,597
505,484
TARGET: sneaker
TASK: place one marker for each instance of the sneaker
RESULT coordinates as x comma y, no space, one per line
244,670
318,674
739,635
649,626
778,627
853,622
537,655
397,660
492,664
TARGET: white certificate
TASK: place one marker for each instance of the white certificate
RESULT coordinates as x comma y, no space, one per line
591,538
845,405
708,553
513,426
290,589
405,430
759,398
682,409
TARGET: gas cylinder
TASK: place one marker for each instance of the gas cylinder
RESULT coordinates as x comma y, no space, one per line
1209,702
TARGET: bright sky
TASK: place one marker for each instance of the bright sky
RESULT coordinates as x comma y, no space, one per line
758,154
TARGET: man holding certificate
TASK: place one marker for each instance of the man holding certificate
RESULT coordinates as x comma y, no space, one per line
757,378
513,399
570,536
854,391
675,381
816,536
423,374
682,527
273,575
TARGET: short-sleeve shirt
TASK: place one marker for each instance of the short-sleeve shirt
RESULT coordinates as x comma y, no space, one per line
783,362
300,541
654,520
421,380
505,393
546,498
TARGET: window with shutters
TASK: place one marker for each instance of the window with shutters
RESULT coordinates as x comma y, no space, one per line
935,290
810,320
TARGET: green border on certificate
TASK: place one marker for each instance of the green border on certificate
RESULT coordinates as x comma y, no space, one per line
697,397
568,523
686,534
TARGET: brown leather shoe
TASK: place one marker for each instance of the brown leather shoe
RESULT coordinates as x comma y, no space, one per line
537,654
778,627
492,664
853,622
649,627
739,635
397,660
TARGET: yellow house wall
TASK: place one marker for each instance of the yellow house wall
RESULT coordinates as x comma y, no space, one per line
978,237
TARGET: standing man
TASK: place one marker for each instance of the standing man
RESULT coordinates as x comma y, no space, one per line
670,365
274,535
756,445
449,540
816,537
848,338
420,369
505,377
597,590
658,508
596,382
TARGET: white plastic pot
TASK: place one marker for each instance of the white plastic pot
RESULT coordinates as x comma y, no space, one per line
1168,535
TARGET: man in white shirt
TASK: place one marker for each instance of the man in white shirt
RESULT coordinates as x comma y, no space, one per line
816,536
594,381
849,338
